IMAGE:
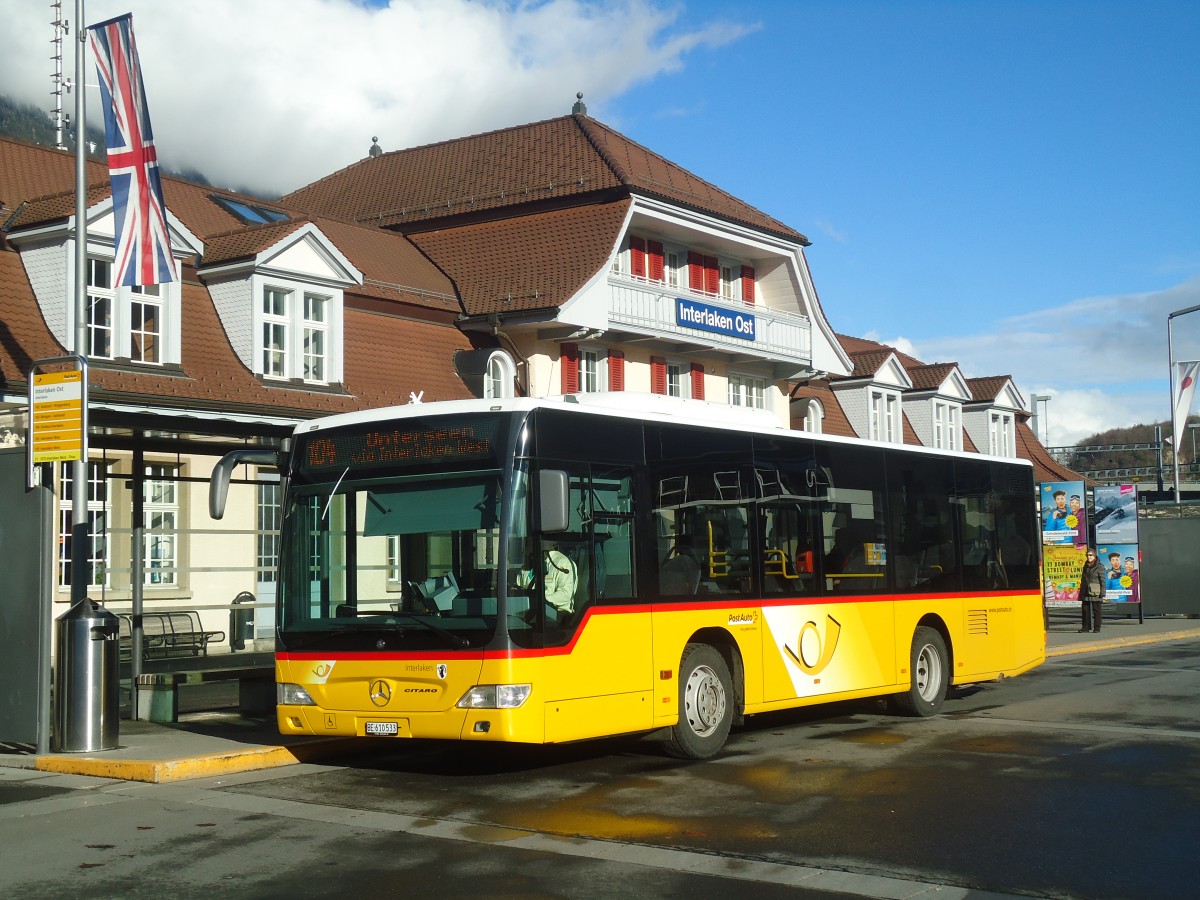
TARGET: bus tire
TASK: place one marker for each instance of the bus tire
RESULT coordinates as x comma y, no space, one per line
705,704
929,665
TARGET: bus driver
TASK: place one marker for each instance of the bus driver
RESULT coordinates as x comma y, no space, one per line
559,581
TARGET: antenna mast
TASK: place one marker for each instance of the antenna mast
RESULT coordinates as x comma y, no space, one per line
61,28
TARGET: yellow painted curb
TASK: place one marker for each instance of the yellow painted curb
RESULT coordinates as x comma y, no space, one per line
166,770
1113,643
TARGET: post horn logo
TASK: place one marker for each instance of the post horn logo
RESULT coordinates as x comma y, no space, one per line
812,653
381,693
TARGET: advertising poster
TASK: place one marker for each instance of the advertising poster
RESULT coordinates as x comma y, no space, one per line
1116,513
1121,572
1064,514
1062,566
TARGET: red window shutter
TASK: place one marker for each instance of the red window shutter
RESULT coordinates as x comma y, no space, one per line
658,375
695,271
655,250
616,370
712,276
637,257
748,284
697,381
570,368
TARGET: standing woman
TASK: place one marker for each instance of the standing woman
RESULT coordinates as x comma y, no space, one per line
1091,591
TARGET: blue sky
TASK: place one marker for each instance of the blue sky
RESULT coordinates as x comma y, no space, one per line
1012,186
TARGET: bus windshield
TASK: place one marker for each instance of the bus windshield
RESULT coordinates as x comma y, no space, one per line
406,562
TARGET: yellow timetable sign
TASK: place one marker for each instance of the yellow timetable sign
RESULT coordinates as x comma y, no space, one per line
56,419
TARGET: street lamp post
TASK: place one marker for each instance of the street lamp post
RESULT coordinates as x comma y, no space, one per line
1174,388
1038,430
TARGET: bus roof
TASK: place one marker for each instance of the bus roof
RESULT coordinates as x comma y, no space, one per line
625,404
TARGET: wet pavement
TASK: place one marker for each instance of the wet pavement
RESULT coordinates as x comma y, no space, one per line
205,744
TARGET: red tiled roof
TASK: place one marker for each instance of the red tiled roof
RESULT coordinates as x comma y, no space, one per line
386,357
867,362
857,345
27,171
534,262
989,388
247,241
835,421
500,172
930,377
1044,466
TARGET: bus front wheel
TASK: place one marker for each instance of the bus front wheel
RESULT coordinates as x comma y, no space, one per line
929,667
705,704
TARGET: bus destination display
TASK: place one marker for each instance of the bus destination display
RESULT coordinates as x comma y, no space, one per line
382,445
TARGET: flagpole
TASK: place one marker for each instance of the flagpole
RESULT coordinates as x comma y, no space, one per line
79,500
1175,393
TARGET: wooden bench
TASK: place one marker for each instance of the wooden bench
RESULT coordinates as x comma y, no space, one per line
167,634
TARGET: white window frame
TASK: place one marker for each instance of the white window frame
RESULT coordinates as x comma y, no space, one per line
1001,439
814,417
113,335
747,390
274,333
947,425
99,513
146,297
315,323
620,263
593,370
885,423
499,377
730,278
268,502
679,378
100,296
284,342
161,517
672,266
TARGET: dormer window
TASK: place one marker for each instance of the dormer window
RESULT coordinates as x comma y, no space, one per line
145,323
294,334
99,308
127,322
1001,440
947,426
885,417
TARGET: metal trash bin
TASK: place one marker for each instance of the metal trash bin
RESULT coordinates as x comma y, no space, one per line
241,622
87,679
158,697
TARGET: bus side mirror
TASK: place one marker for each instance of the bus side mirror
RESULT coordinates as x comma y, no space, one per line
554,492
222,474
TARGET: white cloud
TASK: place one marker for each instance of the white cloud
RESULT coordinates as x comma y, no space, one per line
272,94
1102,360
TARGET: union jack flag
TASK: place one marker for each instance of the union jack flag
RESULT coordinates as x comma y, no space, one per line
143,253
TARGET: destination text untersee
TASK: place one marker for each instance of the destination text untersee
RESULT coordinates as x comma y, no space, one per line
399,446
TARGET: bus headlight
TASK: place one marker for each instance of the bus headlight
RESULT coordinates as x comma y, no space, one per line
293,695
495,696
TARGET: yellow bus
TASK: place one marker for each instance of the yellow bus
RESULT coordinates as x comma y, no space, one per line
552,570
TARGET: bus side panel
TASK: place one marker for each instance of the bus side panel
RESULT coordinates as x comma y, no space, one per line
603,684
811,650
676,625
1001,635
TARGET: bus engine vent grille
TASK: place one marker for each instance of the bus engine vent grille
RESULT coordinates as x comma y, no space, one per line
977,621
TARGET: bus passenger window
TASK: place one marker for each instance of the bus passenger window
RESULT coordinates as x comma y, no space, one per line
703,534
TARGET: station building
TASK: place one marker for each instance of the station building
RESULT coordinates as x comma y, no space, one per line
557,257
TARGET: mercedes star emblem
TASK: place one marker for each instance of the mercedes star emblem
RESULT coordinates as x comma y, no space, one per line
381,694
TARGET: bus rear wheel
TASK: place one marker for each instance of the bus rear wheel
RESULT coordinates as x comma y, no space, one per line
929,666
705,704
